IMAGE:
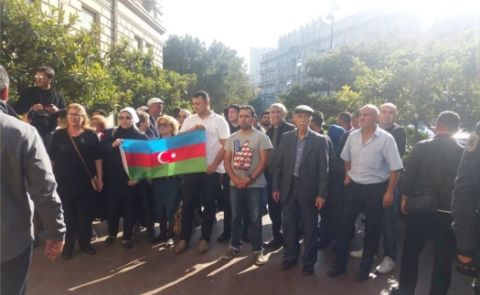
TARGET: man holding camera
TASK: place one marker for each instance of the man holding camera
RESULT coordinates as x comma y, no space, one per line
41,103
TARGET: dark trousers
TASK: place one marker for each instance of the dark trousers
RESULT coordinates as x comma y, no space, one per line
193,184
390,228
78,219
14,273
367,199
121,202
227,208
274,210
145,207
419,229
165,192
334,206
299,208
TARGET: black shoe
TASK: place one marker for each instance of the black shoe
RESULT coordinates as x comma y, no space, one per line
109,240
127,244
286,265
307,270
323,244
36,242
67,254
89,250
273,244
362,276
161,238
223,238
336,271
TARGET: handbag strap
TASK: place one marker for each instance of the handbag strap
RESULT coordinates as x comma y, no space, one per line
80,155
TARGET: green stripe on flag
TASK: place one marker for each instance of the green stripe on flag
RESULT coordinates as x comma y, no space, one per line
182,167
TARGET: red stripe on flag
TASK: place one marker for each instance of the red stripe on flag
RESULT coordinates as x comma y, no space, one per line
166,157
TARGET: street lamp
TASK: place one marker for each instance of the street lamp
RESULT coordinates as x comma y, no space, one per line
299,67
331,18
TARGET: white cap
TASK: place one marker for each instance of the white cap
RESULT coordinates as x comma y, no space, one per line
154,100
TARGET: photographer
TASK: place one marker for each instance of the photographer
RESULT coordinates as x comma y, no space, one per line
464,209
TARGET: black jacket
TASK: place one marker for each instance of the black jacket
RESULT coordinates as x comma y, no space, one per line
152,131
282,128
115,176
42,120
466,197
313,171
432,167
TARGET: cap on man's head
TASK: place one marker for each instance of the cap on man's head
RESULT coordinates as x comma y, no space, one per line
304,109
154,100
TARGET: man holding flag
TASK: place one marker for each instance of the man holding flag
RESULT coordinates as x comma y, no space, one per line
208,182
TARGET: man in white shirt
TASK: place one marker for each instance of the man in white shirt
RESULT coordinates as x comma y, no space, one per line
217,132
372,164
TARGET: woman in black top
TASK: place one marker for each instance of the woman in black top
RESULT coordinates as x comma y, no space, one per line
74,182
122,193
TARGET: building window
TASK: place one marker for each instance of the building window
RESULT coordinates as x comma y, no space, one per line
88,18
138,43
149,46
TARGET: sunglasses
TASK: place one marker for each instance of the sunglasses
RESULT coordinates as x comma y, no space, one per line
75,115
163,125
124,118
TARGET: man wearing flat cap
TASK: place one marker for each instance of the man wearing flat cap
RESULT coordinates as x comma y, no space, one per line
299,182
155,110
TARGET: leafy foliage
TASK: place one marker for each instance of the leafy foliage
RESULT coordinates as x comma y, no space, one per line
422,79
31,37
218,68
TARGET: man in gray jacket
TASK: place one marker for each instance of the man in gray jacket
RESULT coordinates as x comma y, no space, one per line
26,177
300,182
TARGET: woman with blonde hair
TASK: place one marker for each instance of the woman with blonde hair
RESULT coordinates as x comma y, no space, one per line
76,160
99,123
166,189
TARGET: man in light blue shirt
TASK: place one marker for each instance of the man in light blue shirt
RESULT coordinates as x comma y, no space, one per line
372,164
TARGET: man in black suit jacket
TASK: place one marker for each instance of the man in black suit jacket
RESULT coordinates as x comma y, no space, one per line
279,126
300,182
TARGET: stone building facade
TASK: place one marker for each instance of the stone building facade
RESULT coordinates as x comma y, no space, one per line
137,21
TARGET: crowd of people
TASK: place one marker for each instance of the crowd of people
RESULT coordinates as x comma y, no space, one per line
313,184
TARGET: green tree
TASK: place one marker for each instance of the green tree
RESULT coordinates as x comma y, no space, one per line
219,70
139,79
31,37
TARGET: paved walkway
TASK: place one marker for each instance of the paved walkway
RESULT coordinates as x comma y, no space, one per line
151,269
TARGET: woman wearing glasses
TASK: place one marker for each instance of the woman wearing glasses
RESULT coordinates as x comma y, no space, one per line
121,191
166,189
75,154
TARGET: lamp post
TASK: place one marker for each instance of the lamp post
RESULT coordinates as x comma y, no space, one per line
331,17
299,67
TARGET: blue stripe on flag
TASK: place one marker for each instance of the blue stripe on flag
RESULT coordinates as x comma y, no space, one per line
163,144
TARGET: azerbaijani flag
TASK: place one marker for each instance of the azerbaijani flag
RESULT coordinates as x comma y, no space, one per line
181,154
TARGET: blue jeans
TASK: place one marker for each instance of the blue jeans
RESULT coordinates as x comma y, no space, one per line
249,199
390,228
166,197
